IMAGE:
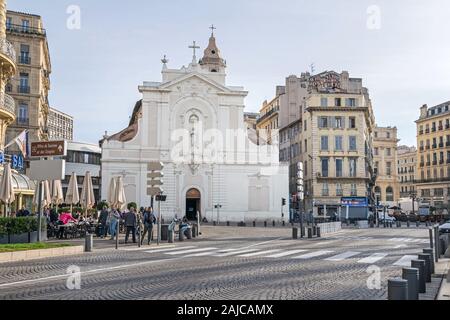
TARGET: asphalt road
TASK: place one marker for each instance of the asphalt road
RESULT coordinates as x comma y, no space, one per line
227,263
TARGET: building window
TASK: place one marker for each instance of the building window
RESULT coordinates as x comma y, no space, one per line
352,123
339,190
323,122
338,123
24,54
22,114
324,162
389,168
8,22
338,102
352,167
388,135
324,143
352,143
324,102
376,134
338,143
325,190
338,168
350,102
389,194
388,152
25,25
376,151
354,190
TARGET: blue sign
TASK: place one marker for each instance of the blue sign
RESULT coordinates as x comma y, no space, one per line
354,202
16,161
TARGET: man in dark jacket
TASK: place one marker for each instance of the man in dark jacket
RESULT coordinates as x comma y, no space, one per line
149,221
102,220
130,224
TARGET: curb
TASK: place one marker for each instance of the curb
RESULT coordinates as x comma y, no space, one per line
17,256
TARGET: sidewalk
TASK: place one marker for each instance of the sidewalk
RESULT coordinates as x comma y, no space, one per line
442,268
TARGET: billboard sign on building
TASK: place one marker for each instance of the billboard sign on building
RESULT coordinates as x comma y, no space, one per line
354,201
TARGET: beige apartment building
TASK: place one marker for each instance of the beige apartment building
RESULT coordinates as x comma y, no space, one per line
8,69
31,83
268,123
327,123
407,164
433,155
387,188
60,125
250,120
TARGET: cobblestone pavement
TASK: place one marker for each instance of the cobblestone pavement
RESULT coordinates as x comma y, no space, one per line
227,263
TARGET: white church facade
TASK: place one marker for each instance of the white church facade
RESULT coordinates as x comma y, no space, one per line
193,123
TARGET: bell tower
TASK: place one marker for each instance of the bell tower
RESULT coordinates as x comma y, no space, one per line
211,59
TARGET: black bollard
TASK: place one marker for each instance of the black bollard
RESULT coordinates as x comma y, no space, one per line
294,233
254,224
420,264
228,223
284,224
427,258
265,224
310,233
273,223
397,289
430,252
412,276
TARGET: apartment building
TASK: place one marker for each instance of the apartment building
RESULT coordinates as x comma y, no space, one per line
407,164
433,155
387,188
31,83
60,125
268,123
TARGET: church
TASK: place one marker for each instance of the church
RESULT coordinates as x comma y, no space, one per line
193,122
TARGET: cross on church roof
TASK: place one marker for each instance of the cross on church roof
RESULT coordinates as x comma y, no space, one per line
212,30
194,46
164,60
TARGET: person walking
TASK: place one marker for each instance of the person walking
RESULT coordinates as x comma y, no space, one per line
149,222
102,221
115,219
130,224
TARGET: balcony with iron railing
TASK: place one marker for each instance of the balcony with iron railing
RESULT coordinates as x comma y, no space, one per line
8,104
23,89
9,57
16,28
24,59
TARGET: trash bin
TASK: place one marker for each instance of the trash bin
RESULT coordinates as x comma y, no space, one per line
164,232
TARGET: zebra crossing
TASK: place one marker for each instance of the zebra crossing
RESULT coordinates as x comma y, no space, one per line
294,254
403,240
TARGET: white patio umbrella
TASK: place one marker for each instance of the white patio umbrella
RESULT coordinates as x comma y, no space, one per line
87,194
47,201
112,192
72,195
57,193
120,198
6,187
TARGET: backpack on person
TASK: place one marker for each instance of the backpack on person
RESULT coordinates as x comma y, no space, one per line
150,218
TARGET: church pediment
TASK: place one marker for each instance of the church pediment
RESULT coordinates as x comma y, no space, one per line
195,82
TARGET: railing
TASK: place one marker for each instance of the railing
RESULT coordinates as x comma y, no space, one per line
432,180
23,89
267,115
434,145
24,60
447,144
7,103
23,121
25,29
420,132
427,130
7,49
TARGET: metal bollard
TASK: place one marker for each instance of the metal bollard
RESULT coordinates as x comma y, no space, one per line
294,233
427,258
430,252
310,233
273,223
318,232
181,235
412,276
89,243
284,224
397,289
265,224
254,224
194,231
314,231
228,223
408,224
214,223
417,224
302,232
420,264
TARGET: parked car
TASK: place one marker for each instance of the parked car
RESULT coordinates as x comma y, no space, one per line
445,228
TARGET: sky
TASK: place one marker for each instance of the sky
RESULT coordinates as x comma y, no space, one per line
400,49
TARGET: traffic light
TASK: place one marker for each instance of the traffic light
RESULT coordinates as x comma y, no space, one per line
155,183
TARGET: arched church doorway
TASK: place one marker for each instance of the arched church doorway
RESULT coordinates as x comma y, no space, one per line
193,203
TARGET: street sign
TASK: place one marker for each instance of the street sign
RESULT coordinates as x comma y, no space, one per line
161,198
47,170
48,149
154,175
154,191
155,166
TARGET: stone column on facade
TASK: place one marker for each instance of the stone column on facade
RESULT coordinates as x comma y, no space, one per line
2,19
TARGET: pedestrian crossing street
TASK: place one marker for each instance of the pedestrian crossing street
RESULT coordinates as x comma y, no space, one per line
294,254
